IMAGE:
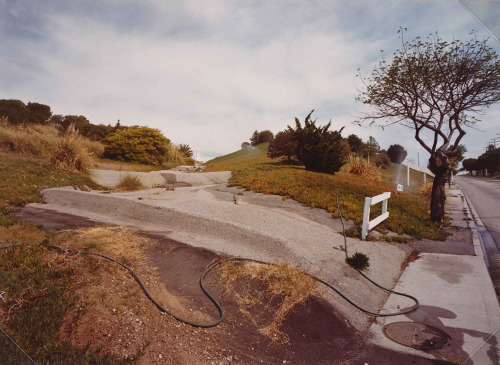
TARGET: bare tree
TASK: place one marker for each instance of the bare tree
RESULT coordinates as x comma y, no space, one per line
436,88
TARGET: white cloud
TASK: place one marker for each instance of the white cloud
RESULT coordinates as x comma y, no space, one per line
210,73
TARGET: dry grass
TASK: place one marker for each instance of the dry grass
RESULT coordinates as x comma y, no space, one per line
129,183
20,233
359,166
285,287
67,150
117,242
426,190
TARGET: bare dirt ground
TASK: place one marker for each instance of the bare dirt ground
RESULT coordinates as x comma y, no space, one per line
114,314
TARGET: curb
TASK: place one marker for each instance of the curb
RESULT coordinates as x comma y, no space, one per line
478,226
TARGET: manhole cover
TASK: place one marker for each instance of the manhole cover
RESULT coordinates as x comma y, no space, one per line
417,335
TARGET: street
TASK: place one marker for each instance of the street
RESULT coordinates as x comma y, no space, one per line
485,196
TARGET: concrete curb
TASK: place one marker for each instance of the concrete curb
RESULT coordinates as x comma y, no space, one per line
479,248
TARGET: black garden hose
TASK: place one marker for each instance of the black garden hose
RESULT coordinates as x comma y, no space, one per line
217,304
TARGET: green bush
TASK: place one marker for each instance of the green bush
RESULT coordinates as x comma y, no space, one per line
137,144
396,153
319,149
358,261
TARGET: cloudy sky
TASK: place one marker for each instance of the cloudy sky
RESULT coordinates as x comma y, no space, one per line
209,73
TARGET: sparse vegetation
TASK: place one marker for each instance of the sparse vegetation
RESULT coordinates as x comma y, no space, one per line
129,183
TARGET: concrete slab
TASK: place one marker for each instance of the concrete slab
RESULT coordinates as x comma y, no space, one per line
456,296
239,224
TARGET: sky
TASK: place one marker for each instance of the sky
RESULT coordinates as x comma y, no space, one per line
209,73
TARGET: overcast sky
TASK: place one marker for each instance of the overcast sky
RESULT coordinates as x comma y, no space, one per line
209,73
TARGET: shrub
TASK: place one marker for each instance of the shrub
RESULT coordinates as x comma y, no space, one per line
129,183
19,113
137,144
397,153
261,137
382,160
360,166
283,145
358,261
319,149
355,143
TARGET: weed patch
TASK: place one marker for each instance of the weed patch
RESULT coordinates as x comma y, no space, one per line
129,183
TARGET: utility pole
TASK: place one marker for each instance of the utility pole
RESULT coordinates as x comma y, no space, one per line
408,174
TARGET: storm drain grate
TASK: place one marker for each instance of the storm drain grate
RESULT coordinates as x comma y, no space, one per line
417,335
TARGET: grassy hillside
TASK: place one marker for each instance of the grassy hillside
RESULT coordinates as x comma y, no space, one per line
36,285
242,159
409,212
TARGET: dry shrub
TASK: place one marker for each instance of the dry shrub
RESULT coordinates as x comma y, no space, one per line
359,166
129,183
426,189
118,242
285,286
68,150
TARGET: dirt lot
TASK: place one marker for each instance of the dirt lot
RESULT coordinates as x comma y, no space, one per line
113,313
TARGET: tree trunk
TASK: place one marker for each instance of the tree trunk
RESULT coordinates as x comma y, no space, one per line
438,197
439,164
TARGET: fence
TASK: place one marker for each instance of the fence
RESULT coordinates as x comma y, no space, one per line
367,224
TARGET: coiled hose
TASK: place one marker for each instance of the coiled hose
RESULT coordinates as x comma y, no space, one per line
217,304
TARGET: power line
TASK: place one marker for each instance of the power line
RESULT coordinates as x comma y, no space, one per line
19,347
479,21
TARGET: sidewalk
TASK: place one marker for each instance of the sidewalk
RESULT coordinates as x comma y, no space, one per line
456,296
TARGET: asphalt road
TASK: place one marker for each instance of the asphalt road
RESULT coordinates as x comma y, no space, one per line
485,196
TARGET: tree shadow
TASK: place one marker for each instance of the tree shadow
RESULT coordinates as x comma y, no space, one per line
432,316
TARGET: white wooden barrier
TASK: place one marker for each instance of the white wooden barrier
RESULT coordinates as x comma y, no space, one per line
367,224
